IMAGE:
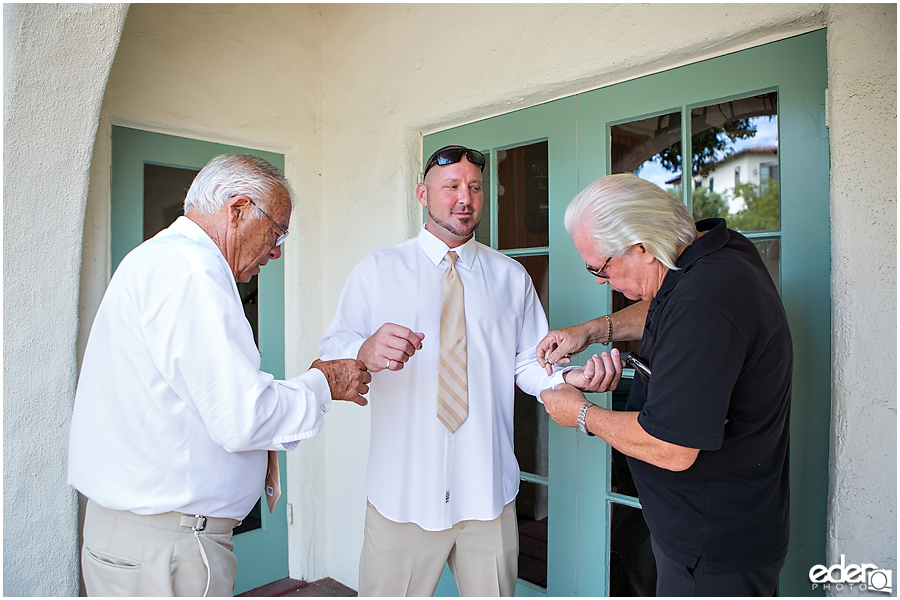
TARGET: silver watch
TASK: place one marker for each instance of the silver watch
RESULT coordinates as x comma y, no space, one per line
582,414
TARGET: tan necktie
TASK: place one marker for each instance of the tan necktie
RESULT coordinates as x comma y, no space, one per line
273,481
453,379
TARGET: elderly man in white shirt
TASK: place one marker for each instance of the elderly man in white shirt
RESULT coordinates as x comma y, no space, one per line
173,418
438,496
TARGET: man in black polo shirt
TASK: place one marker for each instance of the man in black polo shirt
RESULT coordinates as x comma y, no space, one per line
707,437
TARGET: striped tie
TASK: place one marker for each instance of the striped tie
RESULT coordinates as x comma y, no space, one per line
453,380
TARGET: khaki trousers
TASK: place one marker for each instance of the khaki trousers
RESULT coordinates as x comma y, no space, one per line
402,559
125,554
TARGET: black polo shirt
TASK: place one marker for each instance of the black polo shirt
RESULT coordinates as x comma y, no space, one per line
719,349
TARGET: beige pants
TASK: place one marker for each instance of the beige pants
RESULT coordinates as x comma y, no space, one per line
402,559
125,554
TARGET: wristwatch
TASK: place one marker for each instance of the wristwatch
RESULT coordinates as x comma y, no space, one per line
582,414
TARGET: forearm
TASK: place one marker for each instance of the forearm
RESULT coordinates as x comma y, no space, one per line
622,431
628,323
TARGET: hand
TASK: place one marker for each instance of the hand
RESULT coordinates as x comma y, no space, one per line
560,344
347,379
601,373
389,347
563,403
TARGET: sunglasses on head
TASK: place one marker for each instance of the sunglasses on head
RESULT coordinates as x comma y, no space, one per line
454,154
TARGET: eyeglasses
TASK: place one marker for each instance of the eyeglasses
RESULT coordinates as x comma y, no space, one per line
453,154
284,232
598,272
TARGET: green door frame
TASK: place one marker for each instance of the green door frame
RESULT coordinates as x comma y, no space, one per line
579,467
262,553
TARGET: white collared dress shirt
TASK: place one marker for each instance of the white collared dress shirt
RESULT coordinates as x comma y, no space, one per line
171,411
418,471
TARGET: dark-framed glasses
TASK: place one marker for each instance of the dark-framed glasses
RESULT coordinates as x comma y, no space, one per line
598,272
453,154
284,232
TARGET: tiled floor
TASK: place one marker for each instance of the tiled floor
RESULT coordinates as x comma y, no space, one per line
294,588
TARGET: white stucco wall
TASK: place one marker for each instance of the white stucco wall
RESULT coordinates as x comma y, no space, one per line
345,92
862,73
56,61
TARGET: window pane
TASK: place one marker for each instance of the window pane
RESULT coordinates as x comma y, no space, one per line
620,480
538,268
483,231
735,162
770,251
522,197
531,421
649,148
530,434
632,568
531,508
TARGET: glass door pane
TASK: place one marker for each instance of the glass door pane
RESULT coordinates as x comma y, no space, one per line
734,163
632,568
522,232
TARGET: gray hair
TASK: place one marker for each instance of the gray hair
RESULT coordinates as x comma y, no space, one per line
619,211
228,175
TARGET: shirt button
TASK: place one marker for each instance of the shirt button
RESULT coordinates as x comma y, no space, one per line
323,408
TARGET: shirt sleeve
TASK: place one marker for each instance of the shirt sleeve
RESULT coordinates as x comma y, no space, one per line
352,322
697,356
202,345
530,376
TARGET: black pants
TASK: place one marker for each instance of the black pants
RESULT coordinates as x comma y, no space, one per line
674,579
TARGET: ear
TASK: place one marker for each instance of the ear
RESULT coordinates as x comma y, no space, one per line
646,256
422,194
235,208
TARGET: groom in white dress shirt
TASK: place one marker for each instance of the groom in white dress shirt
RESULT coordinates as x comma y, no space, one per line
436,497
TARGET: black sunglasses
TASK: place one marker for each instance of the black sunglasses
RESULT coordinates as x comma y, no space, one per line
453,154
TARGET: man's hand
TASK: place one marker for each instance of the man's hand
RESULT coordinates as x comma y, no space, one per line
563,402
347,378
560,344
389,347
601,373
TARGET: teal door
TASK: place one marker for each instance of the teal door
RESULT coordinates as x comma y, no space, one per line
150,176
743,137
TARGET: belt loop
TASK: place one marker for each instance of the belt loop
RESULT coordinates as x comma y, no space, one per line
196,523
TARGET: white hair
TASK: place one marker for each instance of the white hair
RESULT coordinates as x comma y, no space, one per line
619,211
228,175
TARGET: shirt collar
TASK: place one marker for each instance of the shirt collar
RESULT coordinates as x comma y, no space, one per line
192,231
435,249
716,237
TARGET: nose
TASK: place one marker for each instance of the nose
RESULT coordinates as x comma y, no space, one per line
601,280
465,196
275,254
